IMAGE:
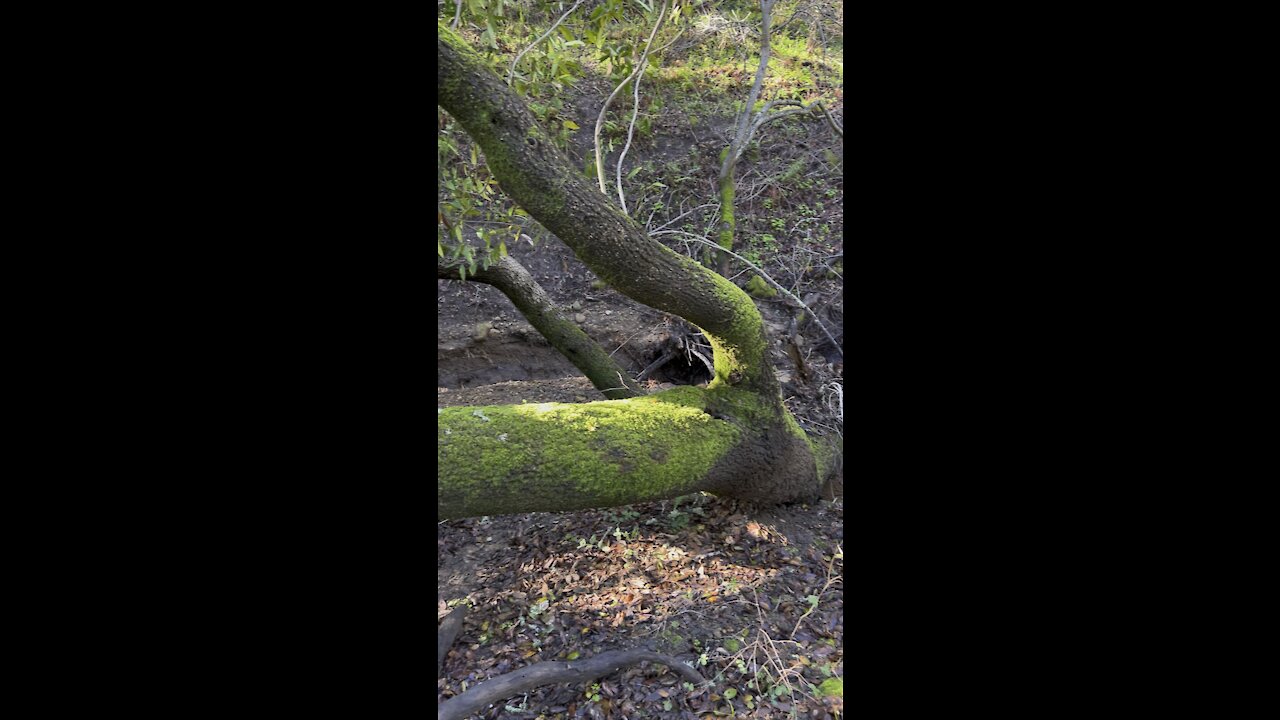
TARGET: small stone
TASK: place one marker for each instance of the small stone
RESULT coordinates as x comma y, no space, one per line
579,318
577,305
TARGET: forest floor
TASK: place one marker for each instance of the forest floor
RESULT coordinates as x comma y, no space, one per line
751,597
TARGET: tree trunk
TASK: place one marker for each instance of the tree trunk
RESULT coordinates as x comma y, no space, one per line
735,437
564,335
545,457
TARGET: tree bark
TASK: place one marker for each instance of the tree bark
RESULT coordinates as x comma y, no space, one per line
735,437
564,335
538,176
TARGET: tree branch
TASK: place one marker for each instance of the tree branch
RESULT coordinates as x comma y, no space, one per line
564,335
839,129
636,75
544,673
541,179
512,72
764,275
766,9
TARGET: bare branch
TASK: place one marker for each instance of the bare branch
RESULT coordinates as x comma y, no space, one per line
512,72
764,275
457,15
636,74
700,207
766,9
839,129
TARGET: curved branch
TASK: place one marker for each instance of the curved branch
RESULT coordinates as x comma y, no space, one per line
541,179
837,128
544,673
512,72
635,75
564,335
764,275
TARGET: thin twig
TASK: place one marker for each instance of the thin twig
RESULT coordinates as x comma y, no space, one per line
635,110
700,207
764,275
512,72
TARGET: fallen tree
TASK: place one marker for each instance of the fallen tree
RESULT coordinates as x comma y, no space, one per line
735,437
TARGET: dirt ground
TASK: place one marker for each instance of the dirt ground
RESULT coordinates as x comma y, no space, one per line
751,597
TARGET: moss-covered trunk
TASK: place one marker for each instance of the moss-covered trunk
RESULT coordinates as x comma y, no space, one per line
735,437
728,222
542,180
554,456
503,459
564,335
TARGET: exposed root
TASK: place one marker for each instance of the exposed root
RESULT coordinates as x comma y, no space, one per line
545,673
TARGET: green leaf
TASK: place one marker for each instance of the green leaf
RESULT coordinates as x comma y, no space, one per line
571,124
502,248
573,655
462,272
666,704
730,694
440,249
634,172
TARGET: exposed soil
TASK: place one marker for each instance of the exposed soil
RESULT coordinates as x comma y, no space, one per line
751,597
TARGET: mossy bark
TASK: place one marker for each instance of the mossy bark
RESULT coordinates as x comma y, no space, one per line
564,335
728,223
504,459
735,437
542,180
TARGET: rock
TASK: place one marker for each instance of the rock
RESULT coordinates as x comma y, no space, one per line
579,318
577,305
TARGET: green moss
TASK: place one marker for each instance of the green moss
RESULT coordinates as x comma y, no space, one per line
741,350
546,456
833,687
729,224
759,288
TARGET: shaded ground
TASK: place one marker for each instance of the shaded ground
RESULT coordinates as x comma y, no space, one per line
751,597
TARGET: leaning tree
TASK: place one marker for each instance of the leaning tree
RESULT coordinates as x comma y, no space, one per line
734,437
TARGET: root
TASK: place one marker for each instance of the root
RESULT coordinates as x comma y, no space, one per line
544,673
